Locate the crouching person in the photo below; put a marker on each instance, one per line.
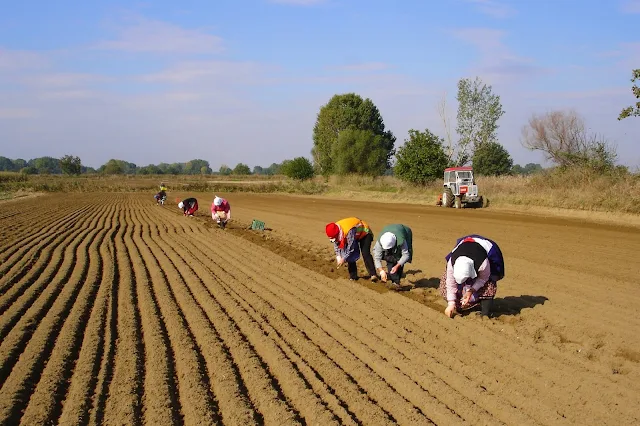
(189, 206)
(473, 268)
(220, 211)
(395, 246)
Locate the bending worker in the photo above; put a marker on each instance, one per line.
(474, 267)
(189, 206)
(351, 236)
(220, 211)
(395, 246)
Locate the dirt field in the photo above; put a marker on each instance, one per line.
(117, 311)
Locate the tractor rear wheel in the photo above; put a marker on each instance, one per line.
(447, 198)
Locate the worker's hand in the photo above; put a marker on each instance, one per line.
(383, 276)
(395, 268)
(340, 261)
(467, 297)
(450, 311)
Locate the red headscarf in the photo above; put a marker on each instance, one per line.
(332, 230)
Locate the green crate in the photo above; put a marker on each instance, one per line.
(257, 225)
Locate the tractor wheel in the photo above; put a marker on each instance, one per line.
(447, 198)
(457, 203)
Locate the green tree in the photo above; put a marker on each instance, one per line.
(361, 152)
(346, 112)
(273, 169)
(6, 164)
(194, 167)
(478, 113)
(492, 159)
(225, 170)
(19, 164)
(258, 170)
(113, 167)
(71, 165)
(299, 168)
(241, 169)
(422, 158)
(46, 165)
(29, 170)
(633, 111)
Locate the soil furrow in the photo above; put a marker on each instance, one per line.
(23, 318)
(26, 372)
(341, 381)
(45, 405)
(290, 380)
(124, 401)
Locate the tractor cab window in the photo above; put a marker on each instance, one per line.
(465, 175)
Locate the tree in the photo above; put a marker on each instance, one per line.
(633, 111)
(194, 167)
(446, 121)
(258, 170)
(241, 169)
(564, 140)
(346, 112)
(224, 170)
(46, 165)
(299, 168)
(492, 159)
(71, 165)
(19, 164)
(478, 113)
(6, 165)
(361, 152)
(528, 169)
(113, 167)
(422, 158)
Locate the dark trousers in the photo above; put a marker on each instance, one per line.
(395, 278)
(365, 250)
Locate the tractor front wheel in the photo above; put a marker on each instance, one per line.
(447, 198)
(458, 203)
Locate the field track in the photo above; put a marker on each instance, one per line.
(117, 311)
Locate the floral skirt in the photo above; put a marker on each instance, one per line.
(488, 291)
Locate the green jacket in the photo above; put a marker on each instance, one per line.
(403, 233)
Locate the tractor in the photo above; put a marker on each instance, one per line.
(460, 189)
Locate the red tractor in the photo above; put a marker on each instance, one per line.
(460, 189)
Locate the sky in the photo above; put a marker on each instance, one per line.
(243, 81)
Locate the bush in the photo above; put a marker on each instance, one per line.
(421, 159)
(241, 169)
(492, 159)
(299, 168)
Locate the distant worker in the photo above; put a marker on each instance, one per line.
(350, 237)
(474, 267)
(220, 211)
(395, 246)
(189, 206)
(161, 196)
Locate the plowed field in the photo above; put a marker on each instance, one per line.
(117, 311)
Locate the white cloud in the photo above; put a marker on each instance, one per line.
(17, 113)
(149, 36)
(208, 72)
(493, 8)
(58, 80)
(13, 60)
(361, 67)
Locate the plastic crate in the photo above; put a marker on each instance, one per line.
(257, 225)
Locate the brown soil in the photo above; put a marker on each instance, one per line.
(116, 311)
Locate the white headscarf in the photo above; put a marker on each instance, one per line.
(387, 240)
(180, 205)
(463, 269)
(217, 201)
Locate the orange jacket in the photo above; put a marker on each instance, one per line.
(362, 229)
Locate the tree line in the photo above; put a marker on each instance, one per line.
(350, 137)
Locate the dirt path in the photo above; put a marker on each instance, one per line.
(114, 310)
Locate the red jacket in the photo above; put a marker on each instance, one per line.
(225, 207)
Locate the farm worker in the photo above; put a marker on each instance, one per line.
(395, 246)
(350, 236)
(162, 194)
(188, 206)
(220, 211)
(473, 268)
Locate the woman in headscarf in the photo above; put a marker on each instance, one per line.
(395, 246)
(473, 268)
(220, 211)
(350, 237)
(189, 206)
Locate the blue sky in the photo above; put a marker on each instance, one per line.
(243, 81)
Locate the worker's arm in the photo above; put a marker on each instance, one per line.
(377, 255)
(405, 254)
